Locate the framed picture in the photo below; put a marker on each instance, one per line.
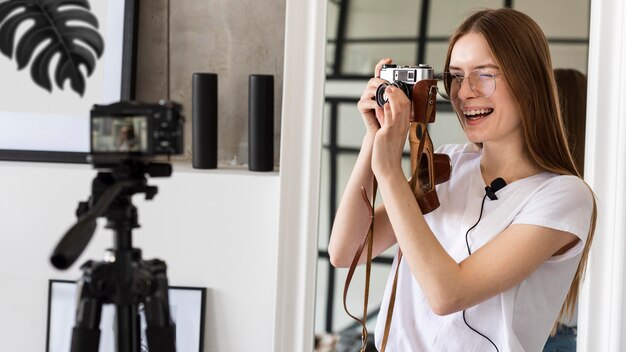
(187, 306)
(57, 59)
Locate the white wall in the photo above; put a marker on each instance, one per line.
(216, 229)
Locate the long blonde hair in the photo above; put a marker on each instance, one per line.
(521, 50)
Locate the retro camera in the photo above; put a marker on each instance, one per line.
(135, 130)
(403, 77)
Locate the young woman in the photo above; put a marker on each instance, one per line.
(502, 284)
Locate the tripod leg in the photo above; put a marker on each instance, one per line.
(86, 332)
(127, 328)
(160, 331)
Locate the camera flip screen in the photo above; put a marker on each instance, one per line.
(112, 134)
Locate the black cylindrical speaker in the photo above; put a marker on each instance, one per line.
(261, 123)
(204, 120)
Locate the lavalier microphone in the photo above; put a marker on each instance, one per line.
(490, 191)
(495, 186)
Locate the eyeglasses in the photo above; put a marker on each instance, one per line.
(481, 82)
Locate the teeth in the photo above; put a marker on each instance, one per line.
(477, 112)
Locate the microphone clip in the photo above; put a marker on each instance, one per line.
(494, 187)
(490, 193)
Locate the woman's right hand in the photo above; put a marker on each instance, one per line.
(370, 111)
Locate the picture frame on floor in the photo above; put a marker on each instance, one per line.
(187, 308)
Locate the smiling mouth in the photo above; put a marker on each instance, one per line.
(477, 114)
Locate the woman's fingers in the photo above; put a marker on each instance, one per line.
(369, 94)
(375, 82)
(368, 98)
(373, 114)
(398, 106)
(366, 103)
(379, 66)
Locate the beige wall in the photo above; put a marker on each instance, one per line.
(231, 38)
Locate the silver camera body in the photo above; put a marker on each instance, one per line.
(406, 74)
(403, 77)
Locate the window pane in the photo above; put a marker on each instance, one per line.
(558, 18)
(324, 212)
(446, 15)
(436, 55)
(332, 20)
(378, 280)
(375, 18)
(361, 58)
(569, 56)
(321, 294)
(351, 88)
(326, 125)
(330, 58)
(350, 126)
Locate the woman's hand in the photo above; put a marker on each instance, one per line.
(370, 111)
(390, 139)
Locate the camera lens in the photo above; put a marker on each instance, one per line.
(381, 98)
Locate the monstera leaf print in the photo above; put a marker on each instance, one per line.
(63, 28)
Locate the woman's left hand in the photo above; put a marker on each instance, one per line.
(391, 137)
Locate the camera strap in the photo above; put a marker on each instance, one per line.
(368, 240)
(428, 169)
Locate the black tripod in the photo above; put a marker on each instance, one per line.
(123, 278)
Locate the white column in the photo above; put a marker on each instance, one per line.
(602, 320)
(303, 101)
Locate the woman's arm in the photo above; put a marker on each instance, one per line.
(352, 218)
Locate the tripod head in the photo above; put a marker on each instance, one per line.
(112, 190)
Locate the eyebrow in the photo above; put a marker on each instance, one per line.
(477, 67)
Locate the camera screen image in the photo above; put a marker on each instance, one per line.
(114, 134)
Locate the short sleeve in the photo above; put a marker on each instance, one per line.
(563, 203)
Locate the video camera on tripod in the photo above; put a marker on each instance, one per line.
(126, 138)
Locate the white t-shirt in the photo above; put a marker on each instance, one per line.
(518, 319)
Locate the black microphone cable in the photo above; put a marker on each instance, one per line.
(482, 206)
(490, 191)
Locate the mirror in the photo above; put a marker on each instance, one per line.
(359, 33)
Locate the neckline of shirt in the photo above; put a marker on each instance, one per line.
(477, 173)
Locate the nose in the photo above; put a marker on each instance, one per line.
(466, 91)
